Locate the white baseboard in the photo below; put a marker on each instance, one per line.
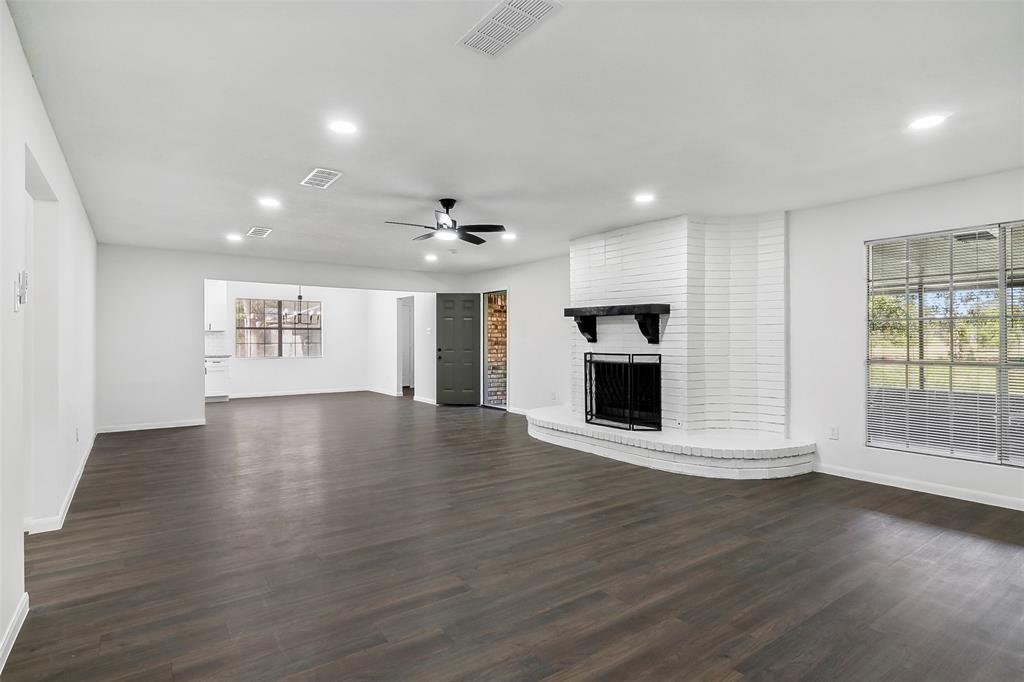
(152, 425)
(923, 486)
(392, 394)
(12, 629)
(51, 523)
(421, 399)
(516, 410)
(279, 394)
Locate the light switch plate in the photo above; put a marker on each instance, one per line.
(833, 433)
(20, 290)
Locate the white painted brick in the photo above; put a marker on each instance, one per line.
(723, 345)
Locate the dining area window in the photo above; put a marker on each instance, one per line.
(278, 328)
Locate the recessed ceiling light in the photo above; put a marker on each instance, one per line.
(509, 236)
(643, 198)
(269, 202)
(447, 235)
(430, 257)
(234, 237)
(344, 127)
(928, 121)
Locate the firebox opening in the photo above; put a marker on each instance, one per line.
(623, 390)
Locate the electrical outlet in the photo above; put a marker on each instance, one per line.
(833, 433)
(77, 439)
(554, 396)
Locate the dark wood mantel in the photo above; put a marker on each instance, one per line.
(647, 318)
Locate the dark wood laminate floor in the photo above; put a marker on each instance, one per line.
(360, 537)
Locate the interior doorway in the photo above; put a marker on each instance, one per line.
(496, 349)
(406, 345)
(458, 349)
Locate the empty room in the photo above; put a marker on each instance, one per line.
(511, 340)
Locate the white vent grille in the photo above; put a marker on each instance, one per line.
(321, 178)
(506, 23)
(260, 232)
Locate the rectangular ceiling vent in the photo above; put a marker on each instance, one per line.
(260, 232)
(507, 23)
(321, 178)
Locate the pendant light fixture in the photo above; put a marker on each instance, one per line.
(300, 316)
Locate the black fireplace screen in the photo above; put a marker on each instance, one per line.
(623, 390)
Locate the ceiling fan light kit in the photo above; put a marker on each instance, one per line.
(447, 228)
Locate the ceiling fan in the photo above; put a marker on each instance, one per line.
(448, 229)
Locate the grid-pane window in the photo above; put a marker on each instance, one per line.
(266, 328)
(945, 367)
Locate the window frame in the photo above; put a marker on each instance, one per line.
(280, 328)
(1009, 277)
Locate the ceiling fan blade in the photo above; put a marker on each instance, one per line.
(471, 238)
(482, 228)
(392, 222)
(428, 235)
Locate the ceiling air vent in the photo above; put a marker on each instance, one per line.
(321, 178)
(260, 232)
(507, 23)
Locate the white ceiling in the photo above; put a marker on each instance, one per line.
(175, 116)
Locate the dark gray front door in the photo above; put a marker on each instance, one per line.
(458, 349)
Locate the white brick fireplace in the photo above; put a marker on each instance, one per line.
(723, 345)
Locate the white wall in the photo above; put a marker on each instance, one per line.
(828, 329)
(342, 367)
(406, 350)
(150, 304)
(538, 336)
(36, 487)
(425, 363)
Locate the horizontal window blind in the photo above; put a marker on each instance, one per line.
(1012, 446)
(945, 365)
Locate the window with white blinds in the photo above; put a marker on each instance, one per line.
(945, 367)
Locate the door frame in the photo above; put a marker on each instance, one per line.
(406, 313)
(483, 348)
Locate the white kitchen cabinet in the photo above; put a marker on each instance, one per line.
(215, 310)
(216, 378)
